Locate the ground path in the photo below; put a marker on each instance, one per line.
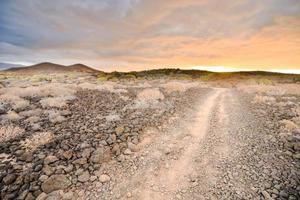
(216, 151)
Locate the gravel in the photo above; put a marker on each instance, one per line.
(91, 155)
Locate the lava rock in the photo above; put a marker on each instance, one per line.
(10, 178)
(68, 154)
(84, 177)
(55, 182)
(50, 159)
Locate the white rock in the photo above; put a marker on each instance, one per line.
(104, 178)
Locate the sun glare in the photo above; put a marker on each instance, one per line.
(231, 69)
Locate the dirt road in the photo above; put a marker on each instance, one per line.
(216, 151)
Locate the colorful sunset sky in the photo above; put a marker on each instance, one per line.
(143, 34)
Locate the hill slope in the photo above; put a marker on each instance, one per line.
(47, 67)
(81, 68)
(4, 66)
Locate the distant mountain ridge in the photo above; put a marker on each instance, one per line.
(48, 67)
(81, 68)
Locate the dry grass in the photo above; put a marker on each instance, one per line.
(288, 125)
(259, 99)
(53, 102)
(57, 90)
(9, 132)
(46, 90)
(176, 86)
(12, 116)
(91, 86)
(55, 116)
(29, 113)
(273, 90)
(150, 95)
(108, 86)
(22, 92)
(37, 140)
(17, 103)
(32, 119)
(53, 95)
(148, 98)
(9, 98)
(20, 105)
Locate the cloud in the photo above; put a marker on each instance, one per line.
(119, 34)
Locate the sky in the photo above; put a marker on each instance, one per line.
(143, 34)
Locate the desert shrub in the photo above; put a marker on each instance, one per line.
(12, 116)
(9, 98)
(208, 77)
(129, 76)
(9, 132)
(148, 98)
(37, 140)
(142, 85)
(288, 125)
(57, 90)
(20, 105)
(176, 86)
(54, 116)
(102, 77)
(40, 78)
(273, 90)
(32, 119)
(113, 79)
(265, 81)
(53, 102)
(150, 94)
(182, 77)
(115, 74)
(31, 91)
(296, 80)
(16, 102)
(91, 86)
(50, 89)
(29, 113)
(109, 86)
(259, 99)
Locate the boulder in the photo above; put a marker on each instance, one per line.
(50, 159)
(55, 182)
(10, 178)
(84, 177)
(104, 178)
(100, 155)
(67, 154)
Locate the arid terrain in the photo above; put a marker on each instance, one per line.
(161, 134)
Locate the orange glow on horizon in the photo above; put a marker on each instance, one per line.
(230, 69)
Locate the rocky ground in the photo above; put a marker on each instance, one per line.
(156, 139)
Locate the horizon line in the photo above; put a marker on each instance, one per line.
(217, 69)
